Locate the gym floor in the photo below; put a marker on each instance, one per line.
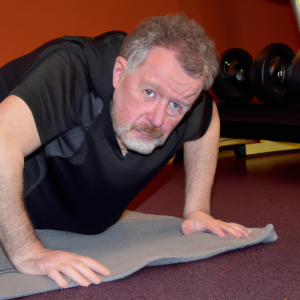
(252, 191)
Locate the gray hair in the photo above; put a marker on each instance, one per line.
(194, 50)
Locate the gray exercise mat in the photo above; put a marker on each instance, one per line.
(137, 241)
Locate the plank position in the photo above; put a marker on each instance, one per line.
(84, 126)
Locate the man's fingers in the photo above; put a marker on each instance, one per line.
(236, 229)
(242, 229)
(86, 272)
(72, 273)
(95, 266)
(58, 278)
(219, 228)
(216, 229)
(83, 270)
(231, 230)
(187, 227)
(190, 226)
(201, 221)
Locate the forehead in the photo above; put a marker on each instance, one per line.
(162, 70)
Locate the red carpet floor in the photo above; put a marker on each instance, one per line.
(252, 191)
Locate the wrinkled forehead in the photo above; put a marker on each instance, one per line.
(163, 67)
(164, 58)
(185, 62)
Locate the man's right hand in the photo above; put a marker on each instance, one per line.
(41, 261)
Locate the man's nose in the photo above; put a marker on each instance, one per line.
(157, 114)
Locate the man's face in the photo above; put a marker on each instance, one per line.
(150, 102)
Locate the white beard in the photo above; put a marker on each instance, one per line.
(138, 145)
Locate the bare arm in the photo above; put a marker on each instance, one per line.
(16, 231)
(18, 138)
(200, 160)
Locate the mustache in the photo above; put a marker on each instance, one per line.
(149, 130)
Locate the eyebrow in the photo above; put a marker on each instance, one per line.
(158, 87)
(191, 95)
(187, 107)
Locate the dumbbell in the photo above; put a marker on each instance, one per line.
(233, 84)
(274, 75)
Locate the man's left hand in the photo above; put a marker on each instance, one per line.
(201, 221)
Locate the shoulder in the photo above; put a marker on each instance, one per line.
(197, 120)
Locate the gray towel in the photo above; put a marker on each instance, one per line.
(137, 241)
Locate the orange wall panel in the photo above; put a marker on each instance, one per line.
(251, 25)
(26, 24)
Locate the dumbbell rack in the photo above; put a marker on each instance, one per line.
(259, 128)
(244, 147)
(254, 128)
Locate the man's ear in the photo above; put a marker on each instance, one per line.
(119, 70)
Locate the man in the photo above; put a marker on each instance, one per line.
(88, 156)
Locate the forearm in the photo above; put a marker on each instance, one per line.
(200, 160)
(199, 182)
(16, 231)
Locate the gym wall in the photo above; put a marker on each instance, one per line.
(27, 24)
(250, 25)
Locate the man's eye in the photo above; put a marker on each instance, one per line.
(149, 93)
(175, 105)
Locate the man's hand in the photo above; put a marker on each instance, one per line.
(201, 221)
(55, 263)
